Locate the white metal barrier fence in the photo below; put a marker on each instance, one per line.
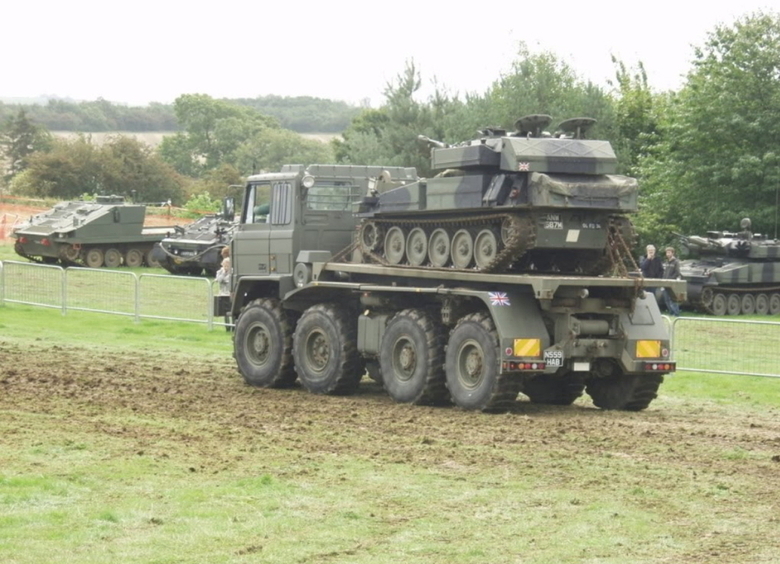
(699, 344)
(153, 296)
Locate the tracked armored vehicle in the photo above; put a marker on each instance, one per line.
(733, 273)
(195, 249)
(107, 232)
(525, 201)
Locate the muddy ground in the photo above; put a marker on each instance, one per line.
(706, 451)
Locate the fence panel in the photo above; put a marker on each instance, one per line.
(101, 290)
(178, 298)
(726, 346)
(33, 284)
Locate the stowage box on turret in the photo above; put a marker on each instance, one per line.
(518, 202)
(733, 273)
(106, 232)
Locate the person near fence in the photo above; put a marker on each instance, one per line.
(224, 273)
(652, 266)
(671, 272)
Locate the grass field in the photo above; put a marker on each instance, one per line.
(139, 443)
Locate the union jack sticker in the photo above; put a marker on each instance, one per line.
(498, 298)
(523, 166)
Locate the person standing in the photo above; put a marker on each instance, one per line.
(652, 266)
(671, 272)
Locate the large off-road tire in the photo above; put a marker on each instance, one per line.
(326, 357)
(555, 389)
(412, 359)
(624, 392)
(263, 344)
(472, 366)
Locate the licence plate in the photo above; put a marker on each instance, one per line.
(553, 358)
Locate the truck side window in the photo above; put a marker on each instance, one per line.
(258, 204)
(332, 196)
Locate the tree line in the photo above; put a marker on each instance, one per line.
(706, 155)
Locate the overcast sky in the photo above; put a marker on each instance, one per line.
(152, 51)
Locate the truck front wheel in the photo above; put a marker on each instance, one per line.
(263, 344)
(326, 357)
(412, 359)
(472, 366)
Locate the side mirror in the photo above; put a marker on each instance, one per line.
(228, 209)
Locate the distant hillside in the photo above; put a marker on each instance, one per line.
(303, 114)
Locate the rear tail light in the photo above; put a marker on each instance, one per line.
(524, 366)
(660, 366)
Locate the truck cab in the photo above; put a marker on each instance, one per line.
(297, 216)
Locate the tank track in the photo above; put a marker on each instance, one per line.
(705, 300)
(518, 237)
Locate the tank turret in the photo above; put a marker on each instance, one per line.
(521, 201)
(732, 273)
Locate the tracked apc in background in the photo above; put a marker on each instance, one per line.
(526, 201)
(732, 273)
(195, 249)
(105, 232)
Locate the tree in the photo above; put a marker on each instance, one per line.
(717, 158)
(20, 138)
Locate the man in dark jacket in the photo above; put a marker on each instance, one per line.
(671, 272)
(651, 266)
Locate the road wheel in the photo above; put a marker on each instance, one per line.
(93, 258)
(774, 304)
(263, 344)
(555, 390)
(439, 248)
(326, 358)
(412, 359)
(151, 260)
(395, 245)
(747, 304)
(112, 258)
(733, 304)
(485, 248)
(719, 304)
(625, 392)
(417, 246)
(462, 252)
(472, 366)
(762, 304)
(134, 258)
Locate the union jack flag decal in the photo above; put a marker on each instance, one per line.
(523, 166)
(498, 298)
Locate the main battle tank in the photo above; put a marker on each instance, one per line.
(509, 202)
(106, 232)
(733, 273)
(195, 248)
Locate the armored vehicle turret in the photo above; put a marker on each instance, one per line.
(195, 249)
(105, 232)
(732, 273)
(508, 202)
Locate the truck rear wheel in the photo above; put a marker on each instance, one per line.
(326, 357)
(263, 344)
(555, 390)
(472, 366)
(412, 359)
(625, 392)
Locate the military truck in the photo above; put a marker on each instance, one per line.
(308, 308)
(105, 232)
(732, 273)
(195, 249)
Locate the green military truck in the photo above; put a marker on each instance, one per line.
(309, 305)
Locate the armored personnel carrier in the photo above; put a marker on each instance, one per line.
(509, 202)
(733, 273)
(107, 232)
(195, 248)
